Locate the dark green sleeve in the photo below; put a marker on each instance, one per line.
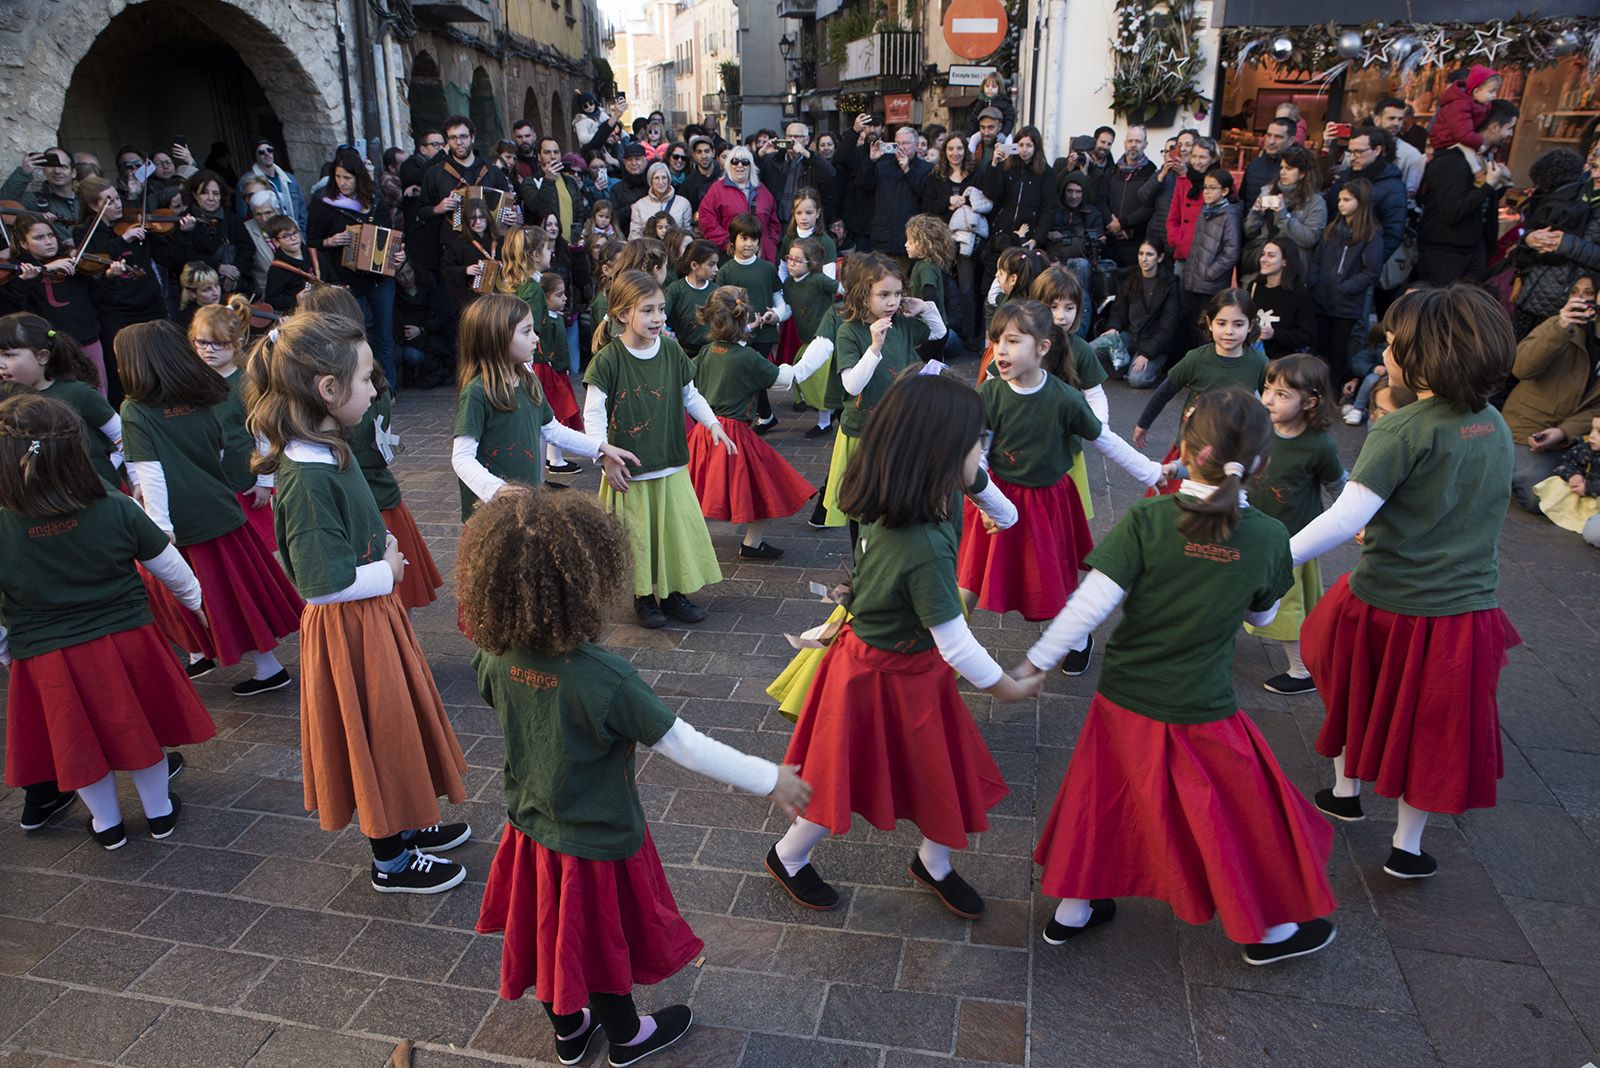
(636, 712)
(472, 411)
(1087, 364)
(850, 345)
(1329, 467)
(931, 586)
(1081, 420)
(1280, 573)
(138, 444)
(1119, 556)
(1385, 459)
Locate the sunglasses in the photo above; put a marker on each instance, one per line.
(738, 163)
(679, 159)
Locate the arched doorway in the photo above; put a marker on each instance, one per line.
(428, 106)
(558, 122)
(530, 111)
(484, 111)
(161, 68)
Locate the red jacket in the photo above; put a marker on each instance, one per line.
(1181, 218)
(1458, 119)
(723, 200)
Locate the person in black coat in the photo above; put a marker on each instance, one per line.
(855, 156)
(899, 177)
(349, 199)
(424, 329)
(1460, 200)
(216, 236)
(1262, 171)
(1283, 302)
(1127, 214)
(630, 187)
(541, 194)
(1148, 313)
(787, 171)
(1027, 198)
(703, 170)
(458, 166)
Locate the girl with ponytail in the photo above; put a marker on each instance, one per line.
(1172, 792)
(35, 355)
(217, 334)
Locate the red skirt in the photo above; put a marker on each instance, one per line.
(752, 485)
(1411, 699)
(788, 347)
(576, 927)
(1197, 815)
(248, 600)
(1172, 484)
(421, 579)
(886, 735)
(1032, 566)
(108, 704)
(558, 392)
(259, 520)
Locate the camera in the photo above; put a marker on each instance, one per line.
(783, 142)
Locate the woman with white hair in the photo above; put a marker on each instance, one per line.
(263, 205)
(738, 192)
(659, 198)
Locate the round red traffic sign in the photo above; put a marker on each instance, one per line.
(975, 28)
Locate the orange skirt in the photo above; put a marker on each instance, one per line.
(374, 737)
(420, 580)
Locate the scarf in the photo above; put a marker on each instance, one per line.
(1196, 180)
(1211, 211)
(345, 203)
(1126, 168)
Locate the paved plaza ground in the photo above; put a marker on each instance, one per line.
(252, 937)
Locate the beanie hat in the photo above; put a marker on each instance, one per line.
(1478, 75)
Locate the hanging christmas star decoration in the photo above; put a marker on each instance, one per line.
(1439, 48)
(1489, 45)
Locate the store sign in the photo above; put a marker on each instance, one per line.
(897, 108)
(962, 74)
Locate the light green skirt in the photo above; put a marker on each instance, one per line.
(1080, 478)
(844, 447)
(814, 390)
(672, 550)
(1295, 606)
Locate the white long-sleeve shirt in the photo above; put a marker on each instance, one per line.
(594, 412)
(372, 580)
(484, 484)
(855, 379)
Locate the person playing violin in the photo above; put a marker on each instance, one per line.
(45, 280)
(210, 232)
(441, 191)
(122, 296)
(43, 185)
(349, 199)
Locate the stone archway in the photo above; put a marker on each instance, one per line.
(429, 108)
(484, 111)
(530, 111)
(286, 48)
(558, 123)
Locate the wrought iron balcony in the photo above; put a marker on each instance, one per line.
(797, 9)
(883, 56)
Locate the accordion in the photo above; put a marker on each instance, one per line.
(373, 249)
(495, 200)
(484, 283)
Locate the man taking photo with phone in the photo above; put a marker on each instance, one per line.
(44, 182)
(792, 168)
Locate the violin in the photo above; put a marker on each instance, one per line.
(92, 263)
(264, 316)
(154, 220)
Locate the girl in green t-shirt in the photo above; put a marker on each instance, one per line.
(1173, 792)
(576, 884)
(218, 333)
(37, 356)
(807, 224)
(93, 688)
(1059, 290)
(809, 294)
(933, 253)
(1014, 274)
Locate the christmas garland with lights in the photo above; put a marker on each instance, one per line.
(1406, 47)
(1157, 57)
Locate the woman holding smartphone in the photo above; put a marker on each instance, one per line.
(1290, 207)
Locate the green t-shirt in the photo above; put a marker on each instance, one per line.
(531, 293)
(370, 457)
(1201, 369)
(1171, 656)
(571, 726)
(809, 299)
(1086, 363)
(599, 308)
(70, 579)
(553, 348)
(924, 275)
(327, 525)
(730, 376)
(509, 445)
(1289, 488)
(833, 395)
(759, 279)
(187, 442)
(95, 412)
(238, 445)
(684, 302)
(830, 248)
(905, 584)
(1445, 476)
(644, 402)
(1035, 434)
(899, 352)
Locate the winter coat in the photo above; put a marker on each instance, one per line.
(1259, 174)
(1027, 198)
(1457, 120)
(1553, 384)
(1344, 272)
(1001, 103)
(1388, 201)
(1214, 250)
(1182, 215)
(1296, 328)
(1123, 200)
(898, 197)
(1151, 327)
(1156, 194)
(1458, 214)
(1301, 225)
(1546, 277)
(724, 200)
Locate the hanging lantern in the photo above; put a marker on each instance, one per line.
(1350, 46)
(1282, 48)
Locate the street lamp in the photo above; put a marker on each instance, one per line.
(785, 46)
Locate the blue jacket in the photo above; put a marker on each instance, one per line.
(1342, 273)
(1388, 202)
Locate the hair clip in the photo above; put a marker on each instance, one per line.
(272, 337)
(49, 333)
(33, 449)
(1234, 468)
(1204, 455)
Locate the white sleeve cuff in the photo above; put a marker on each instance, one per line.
(567, 439)
(687, 747)
(1098, 404)
(1090, 605)
(372, 580)
(855, 378)
(174, 572)
(698, 408)
(1262, 619)
(1342, 521)
(5, 649)
(930, 315)
(811, 360)
(1125, 456)
(476, 477)
(113, 433)
(594, 412)
(153, 482)
(996, 505)
(963, 653)
(785, 376)
(780, 306)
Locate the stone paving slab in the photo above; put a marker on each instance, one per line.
(252, 938)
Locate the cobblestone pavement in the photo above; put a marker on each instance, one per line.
(252, 937)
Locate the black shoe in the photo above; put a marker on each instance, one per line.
(819, 431)
(764, 551)
(255, 687)
(818, 520)
(1312, 936)
(196, 669)
(682, 609)
(1403, 865)
(163, 826)
(671, 1023)
(1102, 910)
(647, 613)
(439, 837)
(576, 1048)
(423, 874)
(1347, 809)
(953, 890)
(799, 405)
(766, 426)
(566, 467)
(111, 838)
(805, 885)
(1290, 685)
(35, 816)
(1077, 661)
(175, 764)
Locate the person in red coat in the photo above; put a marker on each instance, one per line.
(738, 192)
(1186, 200)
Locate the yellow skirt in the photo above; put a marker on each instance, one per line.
(1080, 478)
(1295, 606)
(789, 689)
(1561, 506)
(844, 447)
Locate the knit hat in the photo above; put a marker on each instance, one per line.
(1077, 178)
(1478, 75)
(632, 148)
(586, 101)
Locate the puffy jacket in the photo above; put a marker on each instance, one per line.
(1343, 272)
(1303, 225)
(898, 197)
(724, 200)
(1182, 214)
(1388, 201)
(1214, 251)
(1028, 198)
(1124, 202)
(1546, 277)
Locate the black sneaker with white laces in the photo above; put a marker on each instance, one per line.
(565, 467)
(764, 551)
(805, 886)
(1347, 809)
(954, 891)
(37, 813)
(1077, 661)
(682, 609)
(671, 1023)
(175, 764)
(163, 826)
(253, 687)
(1102, 910)
(1290, 685)
(1403, 865)
(1312, 936)
(575, 1047)
(110, 838)
(196, 669)
(423, 874)
(439, 837)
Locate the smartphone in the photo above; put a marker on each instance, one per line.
(1343, 130)
(181, 139)
(1010, 150)
(783, 142)
(1272, 201)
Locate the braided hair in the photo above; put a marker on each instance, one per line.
(44, 459)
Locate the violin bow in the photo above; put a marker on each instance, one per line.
(84, 246)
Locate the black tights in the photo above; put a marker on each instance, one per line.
(387, 848)
(616, 1013)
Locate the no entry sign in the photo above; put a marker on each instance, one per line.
(975, 28)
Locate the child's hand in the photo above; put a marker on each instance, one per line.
(1141, 436)
(880, 330)
(200, 618)
(1575, 483)
(720, 437)
(912, 306)
(260, 497)
(614, 466)
(1025, 670)
(1350, 388)
(1010, 690)
(989, 525)
(392, 557)
(792, 793)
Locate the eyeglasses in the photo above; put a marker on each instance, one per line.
(264, 150)
(212, 346)
(461, 137)
(433, 144)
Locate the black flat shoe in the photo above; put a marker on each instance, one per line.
(255, 687)
(163, 826)
(197, 669)
(959, 897)
(575, 1048)
(1403, 865)
(35, 816)
(766, 426)
(647, 613)
(1312, 936)
(110, 838)
(1290, 685)
(819, 431)
(1347, 809)
(764, 551)
(671, 1023)
(1102, 910)
(805, 885)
